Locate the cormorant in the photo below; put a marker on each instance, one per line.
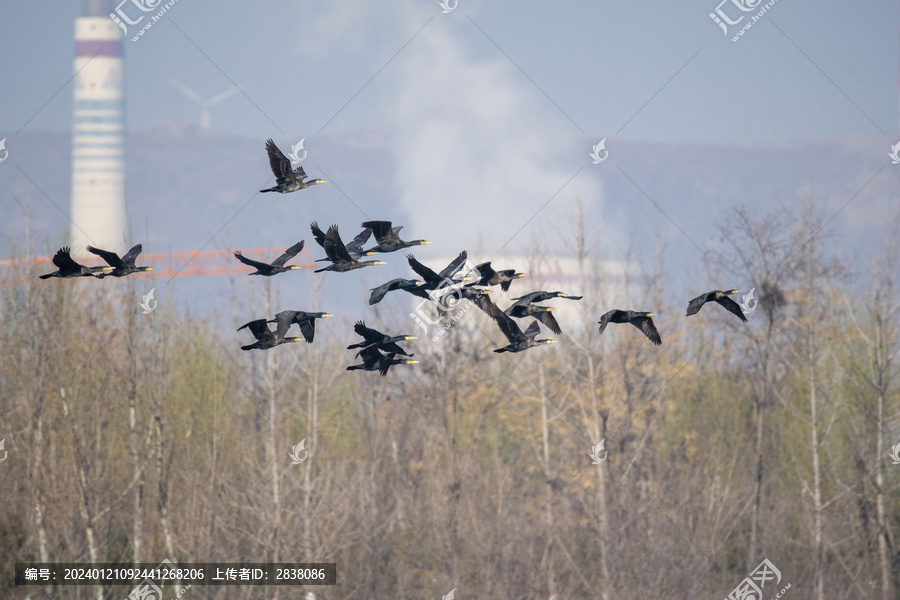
(518, 341)
(69, 268)
(121, 266)
(373, 360)
(354, 246)
(476, 296)
(413, 286)
(339, 256)
(491, 277)
(373, 337)
(641, 320)
(277, 265)
(434, 280)
(720, 297)
(541, 313)
(266, 338)
(542, 296)
(388, 237)
(306, 321)
(286, 179)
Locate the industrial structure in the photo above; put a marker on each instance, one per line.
(98, 133)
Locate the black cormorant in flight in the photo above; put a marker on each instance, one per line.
(518, 341)
(491, 277)
(542, 296)
(388, 237)
(374, 360)
(413, 286)
(541, 313)
(720, 297)
(276, 266)
(340, 258)
(641, 320)
(286, 179)
(373, 337)
(122, 266)
(68, 268)
(354, 246)
(265, 337)
(306, 321)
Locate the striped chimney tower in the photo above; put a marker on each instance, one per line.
(98, 133)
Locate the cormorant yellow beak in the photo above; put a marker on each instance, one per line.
(521, 275)
(487, 291)
(550, 308)
(409, 337)
(425, 242)
(551, 341)
(420, 283)
(149, 268)
(380, 262)
(326, 315)
(649, 314)
(735, 291)
(369, 253)
(294, 267)
(412, 362)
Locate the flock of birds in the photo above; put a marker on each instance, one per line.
(379, 351)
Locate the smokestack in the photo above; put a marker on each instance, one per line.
(95, 8)
(98, 133)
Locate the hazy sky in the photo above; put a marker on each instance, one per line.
(488, 111)
(805, 70)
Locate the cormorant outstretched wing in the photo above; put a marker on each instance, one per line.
(356, 244)
(371, 335)
(111, 258)
(485, 271)
(533, 330)
(250, 262)
(334, 247)
(606, 318)
(279, 163)
(288, 254)
(455, 265)
(732, 307)
(385, 363)
(283, 321)
(370, 356)
(383, 231)
(645, 324)
(379, 292)
(132, 255)
(259, 328)
(308, 329)
(507, 325)
(429, 276)
(547, 318)
(63, 260)
(696, 304)
(318, 234)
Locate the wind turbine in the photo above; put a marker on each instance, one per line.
(205, 104)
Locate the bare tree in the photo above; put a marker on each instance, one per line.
(880, 337)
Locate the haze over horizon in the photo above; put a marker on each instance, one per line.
(471, 126)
